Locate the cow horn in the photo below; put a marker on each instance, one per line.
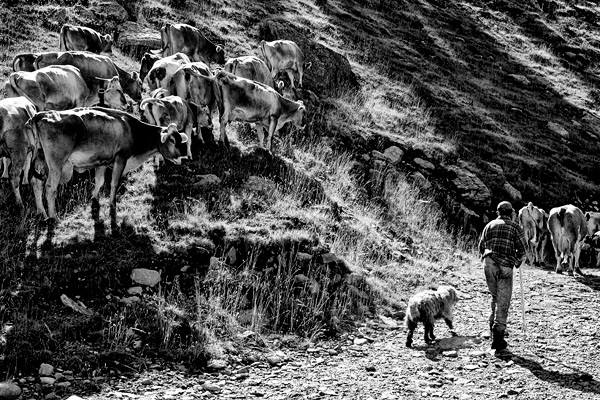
(219, 48)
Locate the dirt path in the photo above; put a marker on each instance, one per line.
(559, 358)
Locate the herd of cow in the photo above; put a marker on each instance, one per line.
(569, 229)
(50, 127)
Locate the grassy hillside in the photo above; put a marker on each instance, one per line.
(313, 236)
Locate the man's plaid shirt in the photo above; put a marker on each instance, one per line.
(504, 241)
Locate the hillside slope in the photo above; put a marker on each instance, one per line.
(458, 105)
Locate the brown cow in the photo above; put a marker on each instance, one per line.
(84, 39)
(168, 110)
(94, 66)
(61, 87)
(194, 83)
(250, 101)
(284, 55)
(568, 229)
(86, 138)
(533, 221)
(24, 62)
(14, 113)
(253, 68)
(189, 40)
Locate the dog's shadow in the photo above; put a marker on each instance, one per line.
(435, 350)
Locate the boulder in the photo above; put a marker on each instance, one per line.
(146, 277)
(424, 165)
(420, 181)
(46, 370)
(207, 180)
(9, 390)
(109, 10)
(470, 188)
(512, 192)
(135, 40)
(558, 129)
(330, 71)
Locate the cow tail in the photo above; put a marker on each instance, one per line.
(535, 231)
(62, 41)
(264, 54)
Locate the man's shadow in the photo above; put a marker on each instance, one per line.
(573, 380)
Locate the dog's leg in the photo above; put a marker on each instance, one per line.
(429, 332)
(450, 326)
(411, 325)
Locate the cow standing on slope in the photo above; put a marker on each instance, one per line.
(84, 39)
(61, 87)
(567, 226)
(86, 138)
(284, 55)
(533, 221)
(250, 101)
(182, 38)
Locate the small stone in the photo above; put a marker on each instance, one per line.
(360, 341)
(46, 370)
(471, 367)
(147, 382)
(135, 290)
(394, 154)
(214, 262)
(9, 390)
(211, 387)
(328, 257)
(303, 256)
(370, 368)
(51, 396)
(146, 277)
(74, 398)
(63, 385)
(424, 164)
(217, 365)
(47, 380)
(231, 257)
(59, 376)
(450, 353)
(130, 300)
(207, 180)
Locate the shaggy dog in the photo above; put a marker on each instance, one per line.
(426, 307)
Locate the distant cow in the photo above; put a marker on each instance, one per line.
(24, 62)
(84, 39)
(593, 222)
(14, 113)
(147, 62)
(284, 55)
(86, 138)
(253, 68)
(170, 110)
(94, 66)
(567, 226)
(189, 40)
(250, 101)
(194, 83)
(161, 72)
(533, 221)
(61, 87)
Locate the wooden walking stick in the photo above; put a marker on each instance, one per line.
(522, 297)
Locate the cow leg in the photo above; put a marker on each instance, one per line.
(98, 183)
(189, 129)
(290, 75)
(38, 191)
(5, 167)
(51, 190)
(222, 125)
(272, 127)
(15, 181)
(260, 130)
(557, 255)
(118, 168)
(576, 257)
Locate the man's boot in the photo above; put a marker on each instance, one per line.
(498, 342)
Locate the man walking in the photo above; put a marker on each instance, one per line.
(502, 247)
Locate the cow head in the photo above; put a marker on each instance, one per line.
(133, 87)
(172, 144)
(147, 62)
(219, 55)
(107, 43)
(593, 222)
(298, 117)
(113, 94)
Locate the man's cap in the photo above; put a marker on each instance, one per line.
(504, 207)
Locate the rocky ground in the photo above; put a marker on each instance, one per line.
(556, 358)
